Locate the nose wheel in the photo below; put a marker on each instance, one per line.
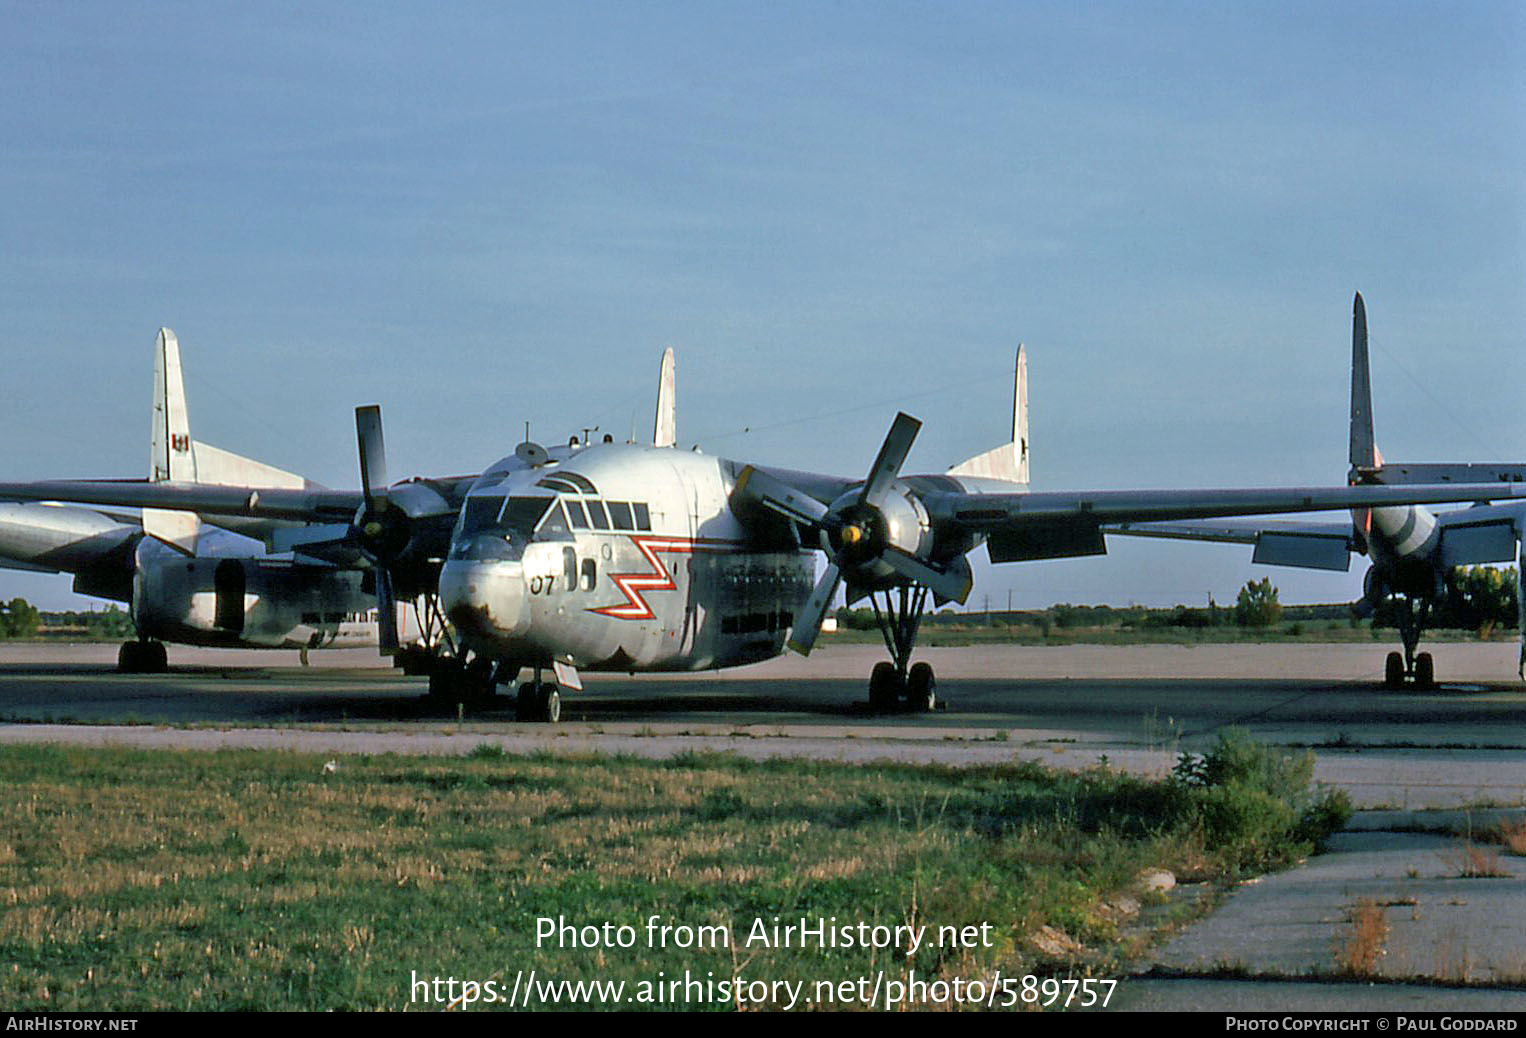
(538, 701)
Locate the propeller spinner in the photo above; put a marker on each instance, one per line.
(873, 535)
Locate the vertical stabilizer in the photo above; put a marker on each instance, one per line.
(1009, 462)
(171, 456)
(665, 428)
(1364, 450)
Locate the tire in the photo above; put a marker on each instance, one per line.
(1393, 671)
(1425, 671)
(884, 688)
(922, 688)
(550, 703)
(526, 708)
(129, 658)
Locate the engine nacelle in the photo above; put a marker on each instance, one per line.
(247, 602)
(862, 533)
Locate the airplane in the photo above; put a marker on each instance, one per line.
(624, 557)
(1413, 550)
(186, 581)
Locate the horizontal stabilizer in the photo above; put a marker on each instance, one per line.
(1398, 473)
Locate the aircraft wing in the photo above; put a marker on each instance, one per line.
(1050, 525)
(1469, 536)
(264, 503)
(1278, 542)
(1485, 533)
(95, 547)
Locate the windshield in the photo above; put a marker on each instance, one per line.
(496, 527)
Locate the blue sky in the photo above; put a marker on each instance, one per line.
(479, 215)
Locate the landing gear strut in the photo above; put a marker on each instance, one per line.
(1420, 667)
(891, 682)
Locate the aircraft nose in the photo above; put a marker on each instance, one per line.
(484, 599)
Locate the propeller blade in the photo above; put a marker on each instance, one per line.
(386, 611)
(809, 620)
(373, 453)
(946, 584)
(903, 432)
(779, 496)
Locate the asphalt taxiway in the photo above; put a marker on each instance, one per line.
(1426, 767)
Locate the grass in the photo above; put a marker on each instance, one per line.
(261, 880)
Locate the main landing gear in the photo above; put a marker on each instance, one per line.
(1420, 668)
(142, 657)
(893, 683)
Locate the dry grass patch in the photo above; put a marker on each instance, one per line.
(1360, 946)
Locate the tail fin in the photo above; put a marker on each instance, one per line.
(170, 455)
(1365, 459)
(665, 428)
(1009, 462)
(174, 456)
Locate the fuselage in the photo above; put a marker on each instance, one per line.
(615, 557)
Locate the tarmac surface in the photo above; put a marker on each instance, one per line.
(1430, 771)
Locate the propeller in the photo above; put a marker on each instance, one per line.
(854, 531)
(382, 527)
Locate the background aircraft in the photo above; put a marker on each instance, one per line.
(623, 557)
(184, 580)
(1413, 549)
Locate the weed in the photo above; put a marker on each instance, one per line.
(1476, 861)
(1360, 947)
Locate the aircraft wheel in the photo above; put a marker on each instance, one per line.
(1425, 671)
(156, 659)
(884, 688)
(445, 684)
(922, 688)
(1393, 671)
(549, 700)
(525, 706)
(129, 658)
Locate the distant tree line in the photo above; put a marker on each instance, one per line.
(20, 619)
(1479, 598)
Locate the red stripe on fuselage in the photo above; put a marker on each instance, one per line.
(634, 585)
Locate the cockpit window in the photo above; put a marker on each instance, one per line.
(480, 513)
(554, 526)
(522, 514)
(620, 515)
(575, 514)
(596, 515)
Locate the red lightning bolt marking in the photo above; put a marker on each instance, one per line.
(632, 585)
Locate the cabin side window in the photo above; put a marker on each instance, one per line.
(590, 574)
(570, 568)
